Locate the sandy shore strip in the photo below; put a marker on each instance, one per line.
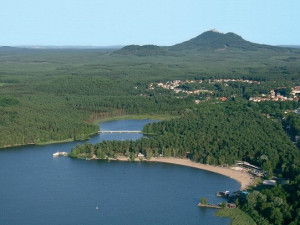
(244, 178)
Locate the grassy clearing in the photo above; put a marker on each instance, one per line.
(238, 216)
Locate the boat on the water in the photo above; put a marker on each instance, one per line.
(223, 194)
(57, 154)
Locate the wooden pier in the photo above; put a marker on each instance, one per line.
(210, 206)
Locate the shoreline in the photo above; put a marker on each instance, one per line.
(51, 142)
(244, 178)
(96, 122)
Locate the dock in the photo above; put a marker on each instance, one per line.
(210, 206)
(219, 206)
(119, 131)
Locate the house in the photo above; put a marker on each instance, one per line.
(295, 90)
(269, 182)
(272, 93)
(140, 155)
(223, 99)
(231, 205)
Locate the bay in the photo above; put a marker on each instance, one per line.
(39, 189)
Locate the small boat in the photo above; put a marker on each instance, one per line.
(223, 194)
(97, 208)
(56, 154)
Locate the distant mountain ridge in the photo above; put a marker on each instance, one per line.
(289, 46)
(54, 47)
(69, 47)
(144, 50)
(208, 41)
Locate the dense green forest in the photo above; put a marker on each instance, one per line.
(213, 134)
(276, 205)
(51, 95)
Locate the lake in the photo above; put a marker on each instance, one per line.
(39, 189)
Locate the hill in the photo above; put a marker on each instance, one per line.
(145, 50)
(209, 41)
(214, 40)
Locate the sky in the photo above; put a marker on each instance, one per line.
(159, 22)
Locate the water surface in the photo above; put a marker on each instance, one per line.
(39, 189)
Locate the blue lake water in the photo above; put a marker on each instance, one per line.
(38, 189)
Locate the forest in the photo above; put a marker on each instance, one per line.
(213, 134)
(53, 95)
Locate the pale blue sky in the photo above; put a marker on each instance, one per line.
(160, 22)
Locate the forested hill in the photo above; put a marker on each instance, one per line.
(213, 40)
(145, 50)
(209, 41)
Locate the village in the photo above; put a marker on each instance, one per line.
(174, 85)
(273, 96)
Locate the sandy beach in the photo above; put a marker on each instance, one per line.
(241, 176)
